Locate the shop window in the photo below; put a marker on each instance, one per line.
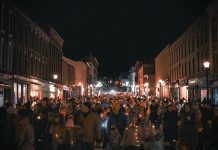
(19, 93)
(1, 52)
(1, 14)
(214, 29)
(5, 18)
(15, 93)
(24, 92)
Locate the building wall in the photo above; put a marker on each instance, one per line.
(80, 71)
(28, 54)
(25, 48)
(213, 46)
(68, 74)
(162, 72)
(146, 75)
(187, 76)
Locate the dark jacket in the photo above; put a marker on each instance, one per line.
(188, 134)
(120, 120)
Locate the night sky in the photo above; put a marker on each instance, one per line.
(117, 32)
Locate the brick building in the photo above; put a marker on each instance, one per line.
(162, 72)
(146, 79)
(81, 76)
(68, 78)
(196, 45)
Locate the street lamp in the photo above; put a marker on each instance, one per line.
(207, 66)
(55, 76)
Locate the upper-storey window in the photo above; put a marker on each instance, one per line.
(214, 29)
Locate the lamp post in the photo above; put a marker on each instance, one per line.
(55, 77)
(207, 66)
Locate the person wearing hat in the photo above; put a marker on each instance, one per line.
(90, 123)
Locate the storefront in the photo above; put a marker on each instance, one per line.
(198, 89)
(20, 92)
(214, 87)
(184, 89)
(5, 93)
(175, 91)
(38, 91)
(6, 88)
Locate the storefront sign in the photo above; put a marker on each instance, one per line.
(34, 93)
(52, 88)
(193, 81)
(65, 88)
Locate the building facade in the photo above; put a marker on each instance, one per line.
(29, 57)
(68, 78)
(92, 72)
(187, 75)
(80, 84)
(146, 80)
(162, 73)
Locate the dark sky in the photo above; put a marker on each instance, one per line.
(117, 32)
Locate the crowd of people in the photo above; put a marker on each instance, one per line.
(118, 122)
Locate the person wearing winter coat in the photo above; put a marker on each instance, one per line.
(59, 133)
(207, 125)
(114, 138)
(188, 135)
(90, 123)
(24, 134)
(39, 128)
(156, 138)
(134, 136)
(215, 127)
(198, 124)
(170, 124)
(5, 130)
(118, 118)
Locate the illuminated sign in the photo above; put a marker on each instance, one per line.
(52, 88)
(193, 81)
(34, 93)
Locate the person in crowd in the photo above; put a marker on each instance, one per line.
(90, 123)
(5, 130)
(24, 133)
(188, 135)
(70, 130)
(40, 122)
(59, 133)
(48, 133)
(207, 125)
(156, 137)
(198, 123)
(170, 125)
(134, 135)
(118, 118)
(114, 138)
(214, 138)
(154, 111)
